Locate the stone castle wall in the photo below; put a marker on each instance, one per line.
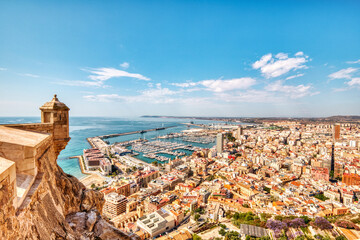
(36, 127)
(57, 205)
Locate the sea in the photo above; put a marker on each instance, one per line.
(84, 127)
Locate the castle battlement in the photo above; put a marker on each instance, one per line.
(37, 199)
(22, 145)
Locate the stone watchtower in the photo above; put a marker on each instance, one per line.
(57, 114)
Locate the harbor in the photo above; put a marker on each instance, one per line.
(144, 149)
(159, 149)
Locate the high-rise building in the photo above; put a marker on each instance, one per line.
(239, 132)
(219, 143)
(336, 131)
(115, 204)
(332, 167)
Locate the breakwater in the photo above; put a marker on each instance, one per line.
(133, 132)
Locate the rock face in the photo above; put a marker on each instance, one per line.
(55, 205)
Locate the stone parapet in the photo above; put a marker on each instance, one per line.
(53, 204)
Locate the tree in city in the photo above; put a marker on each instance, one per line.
(196, 237)
(306, 219)
(322, 223)
(341, 237)
(196, 217)
(228, 214)
(321, 197)
(245, 205)
(319, 237)
(347, 225)
(277, 226)
(232, 235)
(300, 237)
(297, 223)
(230, 137)
(222, 232)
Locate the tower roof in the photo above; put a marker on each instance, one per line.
(54, 104)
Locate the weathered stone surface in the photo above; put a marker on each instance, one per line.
(57, 206)
(61, 208)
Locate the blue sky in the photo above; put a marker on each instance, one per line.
(200, 58)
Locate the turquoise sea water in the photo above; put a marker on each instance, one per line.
(84, 127)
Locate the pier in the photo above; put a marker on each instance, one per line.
(133, 132)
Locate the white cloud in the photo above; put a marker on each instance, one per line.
(82, 83)
(226, 85)
(125, 65)
(104, 97)
(257, 96)
(340, 89)
(151, 95)
(219, 85)
(29, 75)
(263, 61)
(343, 73)
(103, 74)
(353, 62)
(147, 99)
(354, 82)
(157, 92)
(294, 76)
(3, 69)
(185, 84)
(274, 67)
(291, 91)
(281, 56)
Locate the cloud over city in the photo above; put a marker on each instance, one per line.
(343, 73)
(274, 66)
(103, 74)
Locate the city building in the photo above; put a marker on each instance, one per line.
(239, 132)
(336, 131)
(318, 173)
(219, 142)
(157, 222)
(351, 179)
(92, 158)
(115, 204)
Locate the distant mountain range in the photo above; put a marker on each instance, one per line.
(339, 118)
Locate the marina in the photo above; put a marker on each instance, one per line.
(161, 148)
(156, 150)
(192, 137)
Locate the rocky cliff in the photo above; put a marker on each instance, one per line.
(59, 208)
(37, 199)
